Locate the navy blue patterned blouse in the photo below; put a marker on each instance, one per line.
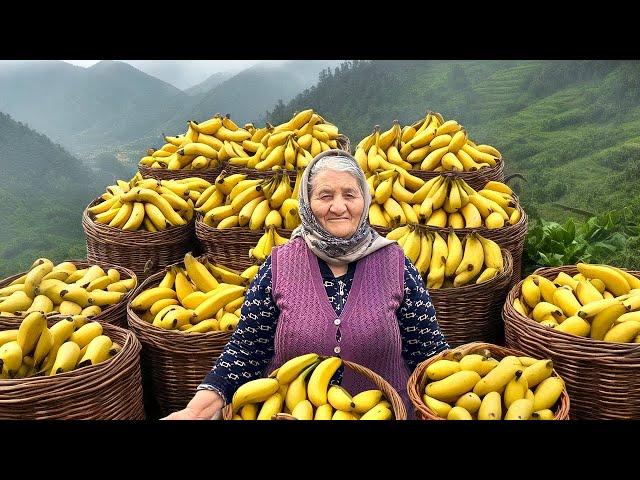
(251, 347)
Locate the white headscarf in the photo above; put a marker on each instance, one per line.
(335, 250)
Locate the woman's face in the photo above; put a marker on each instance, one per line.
(337, 203)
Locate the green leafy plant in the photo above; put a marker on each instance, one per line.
(612, 238)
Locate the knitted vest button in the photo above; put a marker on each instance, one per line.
(336, 321)
(336, 350)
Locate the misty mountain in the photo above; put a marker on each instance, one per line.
(210, 83)
(87, 109)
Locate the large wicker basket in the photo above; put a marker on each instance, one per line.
(418, 379)
(173, 363)
(208, 174)
(230, 245)
(602, 378)
(143, 252)
(397, 405)
(472, 312)
(111, 390)
(343, 144)
(115, 314)
(476, 179)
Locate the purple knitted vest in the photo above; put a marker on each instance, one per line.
(370, 335)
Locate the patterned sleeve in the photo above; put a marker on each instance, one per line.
(421, 335)
(251, 346)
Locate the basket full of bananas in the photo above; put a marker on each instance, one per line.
(467, 278)
(586, 318)
(483, 381)
(242, 219)
(428, 148)
(67, 367)
(300, 389)
(97, 290)
(184, 316)
(289, 146)
(144, 224)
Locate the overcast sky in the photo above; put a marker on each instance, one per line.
(179, 73)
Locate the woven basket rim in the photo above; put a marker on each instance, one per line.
(84, 262)
(399, 410)
(582, 344)
(417, 381)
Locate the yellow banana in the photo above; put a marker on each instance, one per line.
(319, 380)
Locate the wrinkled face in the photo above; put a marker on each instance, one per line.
(337, 203)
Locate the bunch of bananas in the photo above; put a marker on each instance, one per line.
(149, 204)
(263, 248)
(234, 201)
(451, 262)
(197, 298)
(442, 201)
(290, 145)
(600, 302)
(287, 390)
(479, 387)
(34, 349)
(431, 144)
(63, 289)
(204, 145)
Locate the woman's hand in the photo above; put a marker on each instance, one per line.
(203, 406)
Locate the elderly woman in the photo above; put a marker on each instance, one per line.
(336, 288)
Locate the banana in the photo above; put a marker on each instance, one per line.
(520, 410)
(254, 391)
(41, 303)
(437, 267)
(340, 399)
(442, 369)
(198, 273)
(30, 330)
(319, 380)
(324, 412)
(547, 393)
(472, 261)
(438, 407)
(145, 299)
(491, 407)
(270, 407)
(543, 309)
(454, 254)
(486, 275)
(228, 321)
(515, 389)
(250, 272)
(150, 196)
(35, 276)
(478, 363)
(499, 377)
(7, 336)
(297, 390)
(97, 351)
(10, 359)
(66, 358)
(43, 347)
(379, 412)
(91, 311)
(624, 332)
(531, 292)
(564, 298)
(615, 282)
(426, 247)
(218, 299)
(547, 288)
(459, 413)
(291, 369)
(470, 402)
(537, 372)
(83, 335)
(452, 387)
(366, 400)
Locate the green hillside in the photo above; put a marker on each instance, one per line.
(43, 191)
(572, 128)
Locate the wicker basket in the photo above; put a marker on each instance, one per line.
(343, 144)
(399, 410)
(476, 180)
(418, 379)
(143, 252)
(602, 378)
(110, 390)
(114, 314)
(173, 363)
(472, 312)
(208, 174)
(230, 245)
